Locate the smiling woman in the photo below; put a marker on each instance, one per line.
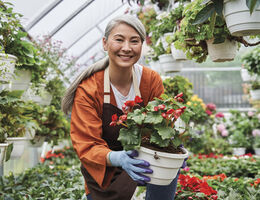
(110, 172)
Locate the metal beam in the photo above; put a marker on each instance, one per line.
(69, 18)
(42, 14)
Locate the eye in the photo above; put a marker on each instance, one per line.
(119, 39)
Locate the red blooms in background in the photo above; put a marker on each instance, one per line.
(210, 109)
(197, 185)
(219, 115)
(130, 103)
(49, 155)
(138, 99)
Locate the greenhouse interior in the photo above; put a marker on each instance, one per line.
(182, 120)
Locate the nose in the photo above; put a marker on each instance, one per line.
(126, 46)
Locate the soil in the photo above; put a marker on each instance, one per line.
(170, 149)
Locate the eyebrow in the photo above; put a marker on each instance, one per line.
(133, 37)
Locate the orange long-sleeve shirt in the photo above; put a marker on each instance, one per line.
(86, 121)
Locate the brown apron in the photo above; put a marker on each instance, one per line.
(122, 186)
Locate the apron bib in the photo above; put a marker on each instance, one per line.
(122, 186)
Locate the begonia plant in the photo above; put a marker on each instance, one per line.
(152, 126)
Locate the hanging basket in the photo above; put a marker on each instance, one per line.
(7, 65)
(255, 94)
(222, 52)
(165, 166)
(177, 54)
(239, 151)
(238, 18)
(18, 146)
(22, 80)
(168, 64)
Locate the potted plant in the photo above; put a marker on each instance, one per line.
(255, 90)
(15, 124)
(14, 40)
(196, 38)
(242, 17)
(151, 130)
(256, 141)
(251, 61)
(239, 143)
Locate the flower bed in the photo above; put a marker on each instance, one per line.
(206, 177)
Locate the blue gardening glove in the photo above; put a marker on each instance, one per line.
(184, 164)
(132, 166)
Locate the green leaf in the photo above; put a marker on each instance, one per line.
(130, 137)
(137, 116)
(204, 14)
(157, 139)
(153, 118)
(218, 4)
(165, 132)
(252, 5)
(8, 152)
(219, 40)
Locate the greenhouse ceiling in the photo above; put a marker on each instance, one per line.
(79, 24)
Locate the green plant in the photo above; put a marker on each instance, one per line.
(13, 118)
(152, 125)
(198, 108)
(14, 40)
(256, 143)
(255, 85)
(251, 61)
(191, 38)
(176, 85)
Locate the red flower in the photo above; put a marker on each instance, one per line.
(179, 99)
(161, 106)
(164, 115)
(208, 112)
(178, 95)
(156, 108)
(211, 106)
(130, 103)
(138, 99)
(123, 117)
(113, 123)
(219, 114)
(114, 117)
(170, 111)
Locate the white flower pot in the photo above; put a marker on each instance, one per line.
(222, 52)
(255, 94)
(239, 151)
(37, 141)
(238, 18)
(163, 40)
(168, 64)
(246, 77)
(18, 146)
(165, 166)
(22, 80)
(257, 151)
(177, 54)
(7, 65)
(3, 148)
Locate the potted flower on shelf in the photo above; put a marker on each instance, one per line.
(17, 52)
(256, 141)
(151, 130)
(255, 90)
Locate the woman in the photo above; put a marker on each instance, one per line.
(111, 173)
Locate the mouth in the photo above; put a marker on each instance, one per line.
(125, 57)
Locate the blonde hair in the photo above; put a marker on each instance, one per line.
(68, 99)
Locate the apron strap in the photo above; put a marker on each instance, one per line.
(107, 85)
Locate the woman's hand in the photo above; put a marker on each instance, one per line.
(132, 166)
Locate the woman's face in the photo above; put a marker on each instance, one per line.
(124, 46)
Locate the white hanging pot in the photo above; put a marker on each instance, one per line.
(18, 146)
(165, 166)
(238, 18)
(246, 77)
(257, 151)
(168, 64)
(222, 52)
(37, 141)
(239, 151)
(163, 40)
(255, 94)
(22, 80)
(177, 54)
(7, 65)
(155, 65)
(3, 148)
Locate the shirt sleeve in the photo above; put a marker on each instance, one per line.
(86, 136)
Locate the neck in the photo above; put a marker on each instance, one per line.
(121, 78)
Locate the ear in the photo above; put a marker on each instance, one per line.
(104, 41)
